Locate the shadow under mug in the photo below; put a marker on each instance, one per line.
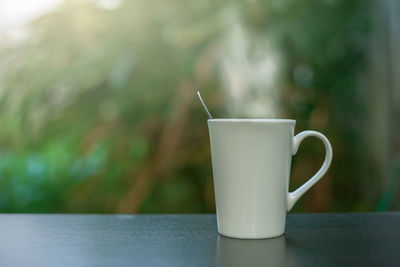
(251, 161)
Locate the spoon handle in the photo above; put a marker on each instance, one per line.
(204, 105)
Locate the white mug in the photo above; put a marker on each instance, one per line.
(251, 161)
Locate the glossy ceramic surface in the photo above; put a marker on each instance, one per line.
(251, 161)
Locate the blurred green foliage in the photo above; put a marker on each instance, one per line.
(98, 113)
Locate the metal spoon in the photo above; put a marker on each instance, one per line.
(204, 105)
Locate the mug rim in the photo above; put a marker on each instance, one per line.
(254, 120)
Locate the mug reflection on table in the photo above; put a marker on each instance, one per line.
(233, 252)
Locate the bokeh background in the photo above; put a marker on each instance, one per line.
(98, 111)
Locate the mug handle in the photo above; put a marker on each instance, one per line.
(292, 197)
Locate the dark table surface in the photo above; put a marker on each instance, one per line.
(361, 239)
